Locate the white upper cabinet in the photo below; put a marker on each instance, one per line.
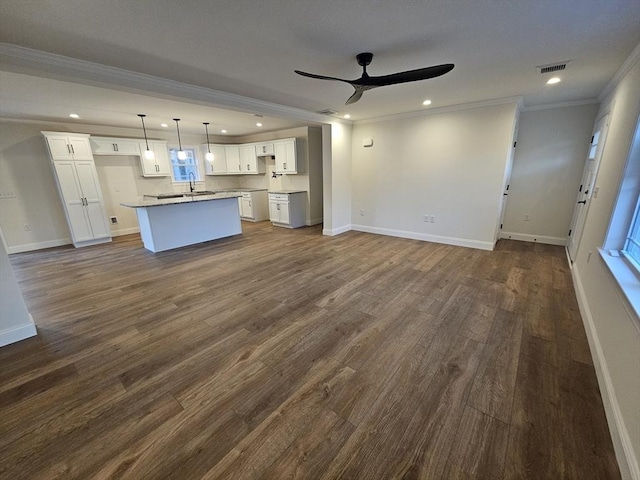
(289, 155)
(265, 149)
(116, 146)
(232, 153)
(68, 146)
(217, 166)
(158, 166)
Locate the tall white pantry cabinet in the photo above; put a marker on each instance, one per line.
(77, 180)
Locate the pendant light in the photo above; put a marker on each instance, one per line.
(182, 155)
(209, 155)
(148, 153)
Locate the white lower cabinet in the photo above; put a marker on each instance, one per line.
(82, 200)
(254, 206)
(288, 209)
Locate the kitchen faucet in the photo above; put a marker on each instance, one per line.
(192, 186)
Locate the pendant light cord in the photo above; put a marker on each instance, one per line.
(206, 129)
(178, 129)
(144, 129)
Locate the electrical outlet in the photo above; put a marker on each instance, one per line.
(362, 212)
(527, 217)
(27, 227)
(426, 218)
(432, 219)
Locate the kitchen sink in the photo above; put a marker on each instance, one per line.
(200, 192)
(180, 195)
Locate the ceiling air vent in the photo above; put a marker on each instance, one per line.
(328, 111)
(553, 67)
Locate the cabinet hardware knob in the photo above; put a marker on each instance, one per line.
(583, 202)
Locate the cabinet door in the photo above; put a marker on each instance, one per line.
(264, 149)
(217, 166)
(128, 148)
(285, 157)
(162, 158)
(248, 159)
(72, 198)
(103, 146)
(284, 213)
(80, 148)
(232, 153)
(274, 211)
(90, 187)
(246, 209)
(59, 147)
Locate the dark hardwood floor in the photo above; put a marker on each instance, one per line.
(283, 354)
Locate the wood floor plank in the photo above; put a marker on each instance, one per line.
(493, 387)
(479, 447)
(288, 354)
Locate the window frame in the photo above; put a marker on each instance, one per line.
(197, 163)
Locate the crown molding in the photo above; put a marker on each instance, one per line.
(75, 70)
(436, 111)
(575, 103)
(625, 68)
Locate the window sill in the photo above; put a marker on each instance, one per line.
(626, 278)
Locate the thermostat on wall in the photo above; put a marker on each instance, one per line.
(367, 142)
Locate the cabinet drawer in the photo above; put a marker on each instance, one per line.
(278, 197)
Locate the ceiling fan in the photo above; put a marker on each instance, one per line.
(365, 82)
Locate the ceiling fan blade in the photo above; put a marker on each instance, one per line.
(320, 77)
(357, 95)
(403, 77)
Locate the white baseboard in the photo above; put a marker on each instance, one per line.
(315, 221)
(15, 334)
(627, 461)
(459, 242)
(28, 247)
(525, 237)
(336, 231)
(125, 231)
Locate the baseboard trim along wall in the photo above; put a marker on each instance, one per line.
(15, 334)
(125, 231)
(28, 247)
(625, 455)
(525, 237)
(459, 242)
(330, 232)
(316, 221)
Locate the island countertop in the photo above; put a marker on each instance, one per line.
(144, 202)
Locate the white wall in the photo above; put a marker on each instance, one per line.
(549, 159)
(450, 165)
(613, 330)
(15, 321)
(336, 164)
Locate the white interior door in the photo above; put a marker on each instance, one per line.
(587, 185)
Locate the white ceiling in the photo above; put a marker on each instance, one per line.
(251, 47)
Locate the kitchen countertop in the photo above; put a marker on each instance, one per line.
(287, 192)
(144, 202)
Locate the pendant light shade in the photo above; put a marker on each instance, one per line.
(208, 155)
(182, 155)
(148, 153)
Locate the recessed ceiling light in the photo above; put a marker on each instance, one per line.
(223, 131)
(258, 124)
(346, 115)
(427, 102)
(553, 80)
(164, 125)
(74, 115)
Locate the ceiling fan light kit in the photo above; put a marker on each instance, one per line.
(366, 82)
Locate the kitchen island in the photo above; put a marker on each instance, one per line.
(168, 223)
